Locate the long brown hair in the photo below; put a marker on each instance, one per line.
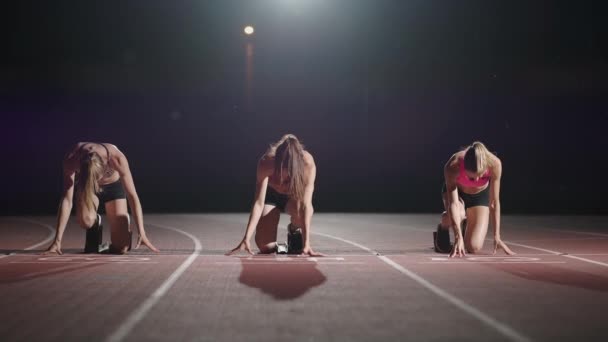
(91, 169)
(288, 155)
(477, 158)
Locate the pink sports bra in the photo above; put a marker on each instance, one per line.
(463, 180)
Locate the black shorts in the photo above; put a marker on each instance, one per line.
(276, 199)
(481, 198)
(111, 192)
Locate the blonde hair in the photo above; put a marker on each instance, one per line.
(288, 154)
(91, 169)
(477, 158)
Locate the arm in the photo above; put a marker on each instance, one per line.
(256, 209)
(120, 164)
(453, 205)
(495, 206)
(495, 199)
(450, 174)
(307, 204)
(65, 208)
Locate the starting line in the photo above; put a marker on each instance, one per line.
(87, 259)
(490, 260)
(251, 260)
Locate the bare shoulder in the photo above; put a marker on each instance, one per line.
(309, 161)
(115, 153)
(70, 159)
(452, 166)
(265, 165)
(496, 166)
(72, 151)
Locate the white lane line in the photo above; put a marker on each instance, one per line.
(136, 316)
(489, 262)
(565, 239)
(46, 241)
(585, 260)
(348, 242)
(590, 254)
(502, 328)
(578, 232)
(558, 253)
(289, 263)
(83, 262)
(484, 318)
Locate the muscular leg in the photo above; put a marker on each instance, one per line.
(120, 232)
(86, 217)
(477, 228)
(446, 220)
(266, 231)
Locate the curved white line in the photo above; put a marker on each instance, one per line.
(500, 327)
(136, 316)
(48, 239)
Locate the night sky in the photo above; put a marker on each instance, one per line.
(380, 92)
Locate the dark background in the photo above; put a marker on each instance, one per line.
(380, 92)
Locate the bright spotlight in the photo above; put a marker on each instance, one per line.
(248, 30)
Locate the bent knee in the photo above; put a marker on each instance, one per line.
(474, 247)
(87, 221)
(267, 248)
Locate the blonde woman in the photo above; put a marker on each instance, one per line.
(285, 183)
(472, 192)
(99, 174)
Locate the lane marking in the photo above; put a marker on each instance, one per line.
(484, 318)
(47, 240)
(94, 258)
(63, 259)
(509, 258)
(590, 254)
(576, 232)
(136, 316)
(82, 263)
(291, 263)
(558, 253)
(565, 239)
(586, 260)
(489, 262)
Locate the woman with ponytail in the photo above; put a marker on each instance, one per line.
(285, 183)
(99, 174)
(471, 192)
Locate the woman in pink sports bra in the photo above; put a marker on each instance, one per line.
(471, 192)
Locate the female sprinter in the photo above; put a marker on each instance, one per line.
(285, 183)
(99, 174)
(471, 191)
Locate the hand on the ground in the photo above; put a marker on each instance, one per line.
(499, 244)
(458, 248)
(143, 240)
(243, 246)
(309, 252)
(54, 248)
